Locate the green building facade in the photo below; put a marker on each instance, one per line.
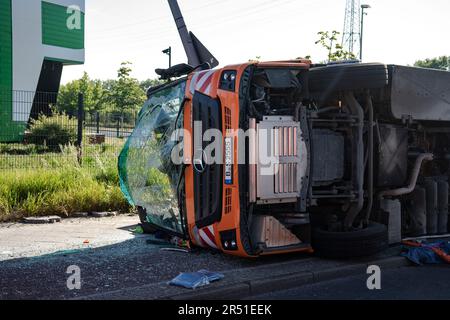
(37, 40)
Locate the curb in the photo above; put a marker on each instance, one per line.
(103, 214)
(250, 281)
(80, 215)
(229, 292)
(246, 289)
(42, 220)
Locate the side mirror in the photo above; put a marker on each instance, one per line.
(175, 71)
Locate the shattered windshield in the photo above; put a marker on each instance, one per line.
(148, 177)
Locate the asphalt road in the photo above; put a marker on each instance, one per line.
(128, 264)
(408, 283)
(115, 263)
(34, 259)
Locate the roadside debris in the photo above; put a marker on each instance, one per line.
(175, 250)
(42, 220)
(421, 253)
(65, 253)
(179, 245)
(137, 230)
(196, 280)
(156, 242)
(170, 243)
(180, 242)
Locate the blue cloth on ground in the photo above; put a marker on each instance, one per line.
(196, 280)
(425, 254)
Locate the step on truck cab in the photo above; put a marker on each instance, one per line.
(266, 158)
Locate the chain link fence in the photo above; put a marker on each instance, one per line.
(36, 133)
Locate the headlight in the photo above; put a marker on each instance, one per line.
(228, 80)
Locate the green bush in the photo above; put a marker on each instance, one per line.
(53, 131)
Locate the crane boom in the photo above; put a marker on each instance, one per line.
(196, 52)
(186, 38)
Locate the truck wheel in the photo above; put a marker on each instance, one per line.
(348, 77)
(360, 243)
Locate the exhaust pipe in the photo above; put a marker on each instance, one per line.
(413, 180)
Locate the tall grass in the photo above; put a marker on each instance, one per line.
(61, 189)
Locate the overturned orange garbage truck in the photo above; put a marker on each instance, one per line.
(265, 158)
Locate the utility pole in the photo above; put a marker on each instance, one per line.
(363, 13)
(168, 51)
(352, 27)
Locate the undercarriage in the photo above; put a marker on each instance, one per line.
(349, 158)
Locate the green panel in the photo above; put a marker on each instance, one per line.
(9, 130)
(54, 28)
(5, 46)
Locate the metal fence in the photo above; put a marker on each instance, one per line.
(37, 131)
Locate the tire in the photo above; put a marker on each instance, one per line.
(348, 77)
(342, 245)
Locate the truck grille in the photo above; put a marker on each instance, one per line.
(208, 183)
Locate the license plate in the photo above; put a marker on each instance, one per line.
(228, 160)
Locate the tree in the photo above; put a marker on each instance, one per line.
(439, 63)
(336, 51)
(68, 98)
(108, 84)
(125, 93)
(92, 90)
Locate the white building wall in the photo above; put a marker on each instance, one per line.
(29, 52)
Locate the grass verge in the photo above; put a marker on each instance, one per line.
(61, 189)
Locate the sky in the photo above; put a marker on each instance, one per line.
(396, 31)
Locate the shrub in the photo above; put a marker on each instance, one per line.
(53, 132)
